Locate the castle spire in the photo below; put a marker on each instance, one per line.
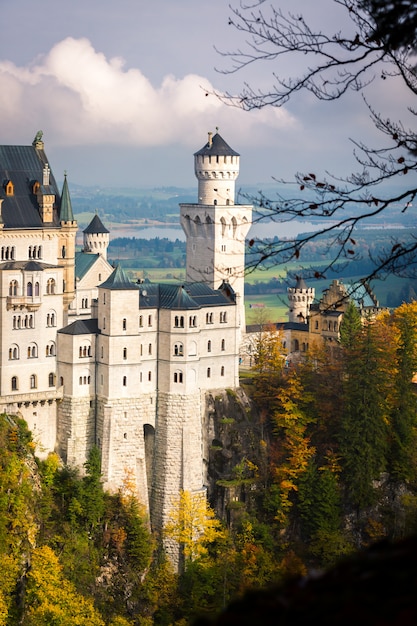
(66, 214)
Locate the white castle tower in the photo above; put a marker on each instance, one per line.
(300, 300)
(96, 237)
(216, 227)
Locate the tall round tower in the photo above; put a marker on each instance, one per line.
(216, 227)
(300, 300)
(96, 237)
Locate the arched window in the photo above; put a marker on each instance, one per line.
(32, 351)
(124, 381)
(33, 383)
(51, 318)
(178, 377)
(51, 379)
(140, 321)
(178, 349)
(208, 372)
(50, 286)
(29, 289)
(13, 286)
(50, 349)
(222, 370)
(15, 383)
(209, 346)
(37, 289)
(124, 323)
(13, 352)
(150, 348)
(125, 353)
(223, 345)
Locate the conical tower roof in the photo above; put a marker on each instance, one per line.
(95, 227)
(66, 214)
(216, 145)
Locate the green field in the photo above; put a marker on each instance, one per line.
(270, 306)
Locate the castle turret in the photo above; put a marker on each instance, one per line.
(216, 227)
(96, 237)
(300, 300)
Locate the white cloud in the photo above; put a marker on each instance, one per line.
(79, 97)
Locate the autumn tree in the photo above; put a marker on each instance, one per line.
(51, 599)
(291, 420)
(193, 525)
(403, 458)
(376, 42)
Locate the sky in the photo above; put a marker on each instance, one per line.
(118, 88)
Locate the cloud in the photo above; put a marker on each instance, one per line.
(79, 97)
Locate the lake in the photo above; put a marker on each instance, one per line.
(260, 230)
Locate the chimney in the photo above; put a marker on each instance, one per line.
(210, 139)
(46, 172)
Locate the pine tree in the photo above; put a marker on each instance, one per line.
(368, 401)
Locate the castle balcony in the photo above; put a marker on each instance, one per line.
(31, 303)
(33, 397)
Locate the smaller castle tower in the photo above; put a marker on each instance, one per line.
(96, 237)
(300, 300)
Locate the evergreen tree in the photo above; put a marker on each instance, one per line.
(368, 401)
(350, 326)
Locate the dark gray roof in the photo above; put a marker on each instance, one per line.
(23, 165)
(300, 284)
(30, 266)
(95, 226)
(256, 328)
(218, 147)
(81, 327)
(185, 296)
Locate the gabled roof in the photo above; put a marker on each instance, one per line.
(81, 327)
(119, 280)
(95, 226)
(23, 166)
(216, 146)
(83, 262)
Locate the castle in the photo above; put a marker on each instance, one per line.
(90, 358)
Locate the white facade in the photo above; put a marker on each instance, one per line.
(88, 358)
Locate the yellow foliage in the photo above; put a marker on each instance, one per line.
(193, 524)
(51, 598)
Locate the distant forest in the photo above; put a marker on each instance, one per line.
(126, 206)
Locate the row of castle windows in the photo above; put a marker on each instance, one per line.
(33, 381)
(32, 351)
(178, 349)
(28, 321)
(8, 253)
(32, 289)
(222, 318)
(179, 320)
(178, 375)
(124, 322)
